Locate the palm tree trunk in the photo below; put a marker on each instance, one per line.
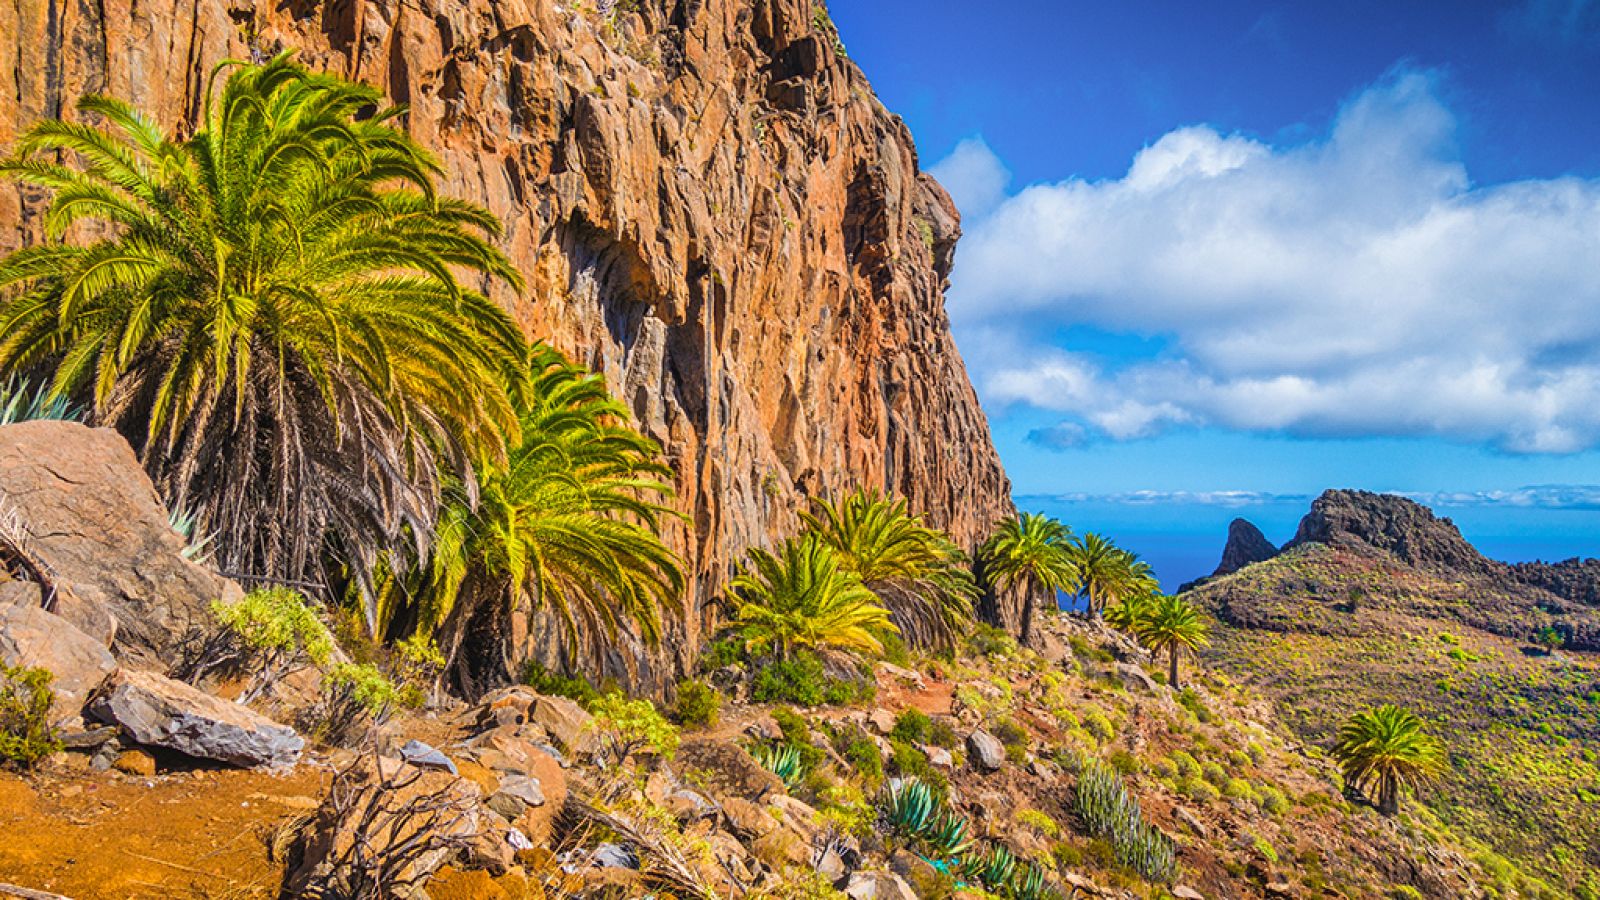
(1172, 667)
(1388, 796)
(1026, 629)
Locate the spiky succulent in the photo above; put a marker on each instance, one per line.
(782, 760)
(1110, 812)
(992, 865)
(910, 807)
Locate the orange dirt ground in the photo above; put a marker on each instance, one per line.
(91, 835)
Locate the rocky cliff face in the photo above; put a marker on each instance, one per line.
(1404, 528)
(708, 201)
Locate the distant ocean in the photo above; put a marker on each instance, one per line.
(1183, 539)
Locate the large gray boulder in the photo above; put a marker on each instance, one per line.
(97, 529)
(159, 712)
(31, 637)
(986, 751)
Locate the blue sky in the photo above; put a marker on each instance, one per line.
(1252, 250)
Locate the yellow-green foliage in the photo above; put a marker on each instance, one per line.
(1098, 725)
(698, 703)
(630, 725)
(278, 623)
(1040, 822)
(25, 733)
(367, 686)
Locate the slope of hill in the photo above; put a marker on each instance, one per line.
(1377, 601)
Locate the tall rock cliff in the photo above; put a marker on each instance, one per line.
(708, 201)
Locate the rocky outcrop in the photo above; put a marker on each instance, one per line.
(77, 663)
(709, 203)
(158, 712)
(1395, 525)
(1246, 545)
(92, 525)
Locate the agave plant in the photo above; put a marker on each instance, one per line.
(22, 400)
(1027, 883)
(782, 760)
(993, 866)
(948, 836)
(910, 807)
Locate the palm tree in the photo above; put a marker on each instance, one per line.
(1174, 625)
(803, 598)
(269, 311)
(1031, 552)
(1107, 572)
(571, 523)
(1387, 747)
(1127, 612)
(918, 573)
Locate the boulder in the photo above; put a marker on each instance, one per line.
(567, 722)
(29, 636)
(96, 525)
(157, 711)
(511, 759)
(135, 762)
(986, 751)
(1184, 892)
(882, 720)
(878, 886)
(729, 770)
(376, 807)
(19, 593)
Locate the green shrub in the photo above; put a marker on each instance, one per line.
(1109, 811)
(1214, 774)
(943, 734)
(1124, 762)
(1098, 725)
(987, 640)
(418, 662)
(907, 760)
(1009, 733)
(627, 726)
(1200, 790)
(1185, 764)
(862, 754)
(720, 654)
(556, 685)
(1040, 822)
(1191, 701)
(1239, 789)
(1272, 800)
(25, 732)
(355, 698)
(697, 704)
(912, 726)
(801, 679)
(1269, 852)
(272, 632)
(1164, 769)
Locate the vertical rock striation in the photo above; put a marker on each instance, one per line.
(709, 203)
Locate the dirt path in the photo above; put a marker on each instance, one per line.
(192, 834)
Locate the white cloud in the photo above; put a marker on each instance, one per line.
(1580, 497)
(974, 176)
(1358, 284)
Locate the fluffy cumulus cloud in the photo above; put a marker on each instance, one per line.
(1358, 284)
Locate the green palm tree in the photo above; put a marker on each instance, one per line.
(269, 311)
(571, 523)
(1387, 749)
(803, 598)
(918, 573)
(1127, 612)
(1107, 573)
(1031, 552)
(1171, 624)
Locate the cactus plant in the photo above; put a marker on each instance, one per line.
(1109, 811)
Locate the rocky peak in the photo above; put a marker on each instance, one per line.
(1246, 545)
(1402, 528)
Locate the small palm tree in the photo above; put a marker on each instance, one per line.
(1126, 613)
(570, 523)
(269, 311)
(918, 573)
(1171, 624)
(803, 598)
(1387, 749)
(1107, 572)
(1031, 552)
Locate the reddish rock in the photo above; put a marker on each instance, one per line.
(77, 663)
(99, 530)
(714, 210)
